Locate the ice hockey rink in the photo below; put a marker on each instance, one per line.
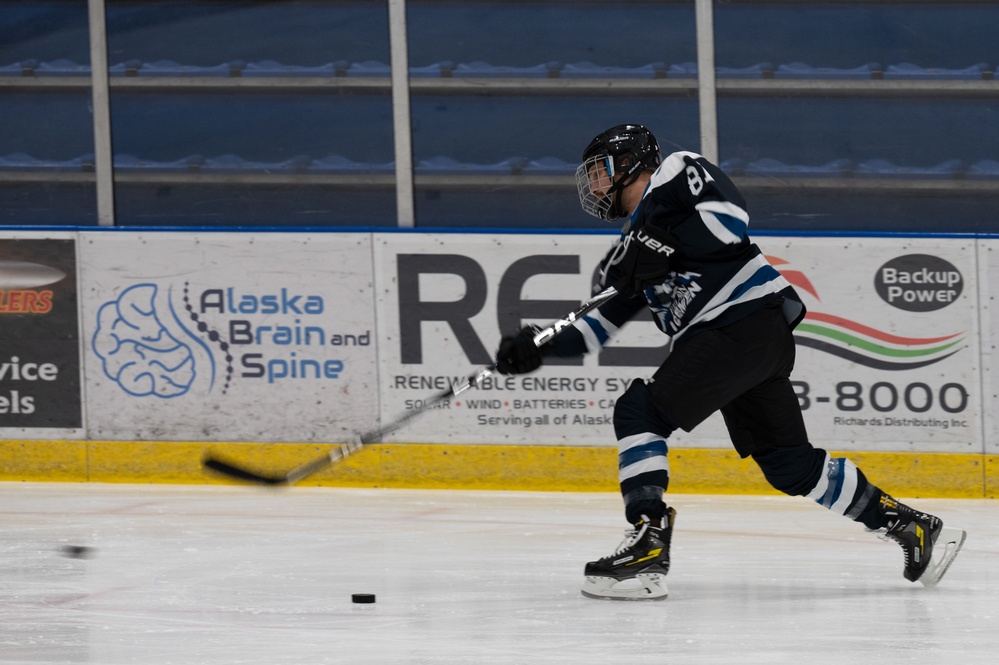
(225, 574)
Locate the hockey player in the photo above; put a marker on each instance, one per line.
(684, 255)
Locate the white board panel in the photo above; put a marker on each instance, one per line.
(226, 336)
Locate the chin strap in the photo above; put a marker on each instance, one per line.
(615, 212)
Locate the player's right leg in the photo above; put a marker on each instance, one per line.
(637, 569)
(698, 377)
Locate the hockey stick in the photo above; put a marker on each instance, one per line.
(343, 450)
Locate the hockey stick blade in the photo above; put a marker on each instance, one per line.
(340, 451)
(238, 473)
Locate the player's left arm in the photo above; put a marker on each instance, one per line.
(587, 333)
(594, 330)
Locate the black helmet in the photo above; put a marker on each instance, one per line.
(626, 151)
(633, 147)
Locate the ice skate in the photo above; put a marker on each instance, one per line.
(637, 570)
(928, 545)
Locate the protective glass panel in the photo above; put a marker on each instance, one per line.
(508, 94)
(251, 114)
(861, 116)
(47, 146)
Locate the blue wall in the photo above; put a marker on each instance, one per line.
(487, 129)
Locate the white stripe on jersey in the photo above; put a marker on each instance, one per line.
(590, 337)
(671, 167)
(723, 299)
(730, 233)
(773, 286)
(718, 229)
(725, 208)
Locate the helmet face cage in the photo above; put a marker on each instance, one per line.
(594, 182)
(624, 150)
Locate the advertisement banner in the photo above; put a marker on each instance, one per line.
(888, 355)
(228, 337)
(39, 338)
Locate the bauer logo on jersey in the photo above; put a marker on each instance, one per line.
(918, 282)
(654, 244)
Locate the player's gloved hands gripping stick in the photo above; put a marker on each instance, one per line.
(520, 354)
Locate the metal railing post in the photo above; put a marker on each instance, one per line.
(706, 96)
(101, 102)
(402, 129)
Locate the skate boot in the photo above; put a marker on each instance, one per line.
(928, 545)
(637, 570)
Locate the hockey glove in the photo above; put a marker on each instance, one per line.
(518, 353)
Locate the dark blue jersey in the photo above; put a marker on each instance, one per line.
(684, 256)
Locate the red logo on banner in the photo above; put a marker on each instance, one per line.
(862, 344)
(25, 302)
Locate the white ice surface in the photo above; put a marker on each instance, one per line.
(231, 575)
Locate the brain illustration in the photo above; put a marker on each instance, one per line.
(138, 350)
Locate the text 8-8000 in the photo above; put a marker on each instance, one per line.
(885, 397)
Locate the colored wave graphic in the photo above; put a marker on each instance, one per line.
(873, 348)
(862, 344)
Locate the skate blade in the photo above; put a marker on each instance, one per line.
(647, 586)
(945, 549)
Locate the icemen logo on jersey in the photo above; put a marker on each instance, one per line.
(684, 291)
(670, 300)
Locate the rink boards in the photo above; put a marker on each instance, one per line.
(125, 355)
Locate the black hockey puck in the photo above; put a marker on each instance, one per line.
(77, 551)
(362, 598)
